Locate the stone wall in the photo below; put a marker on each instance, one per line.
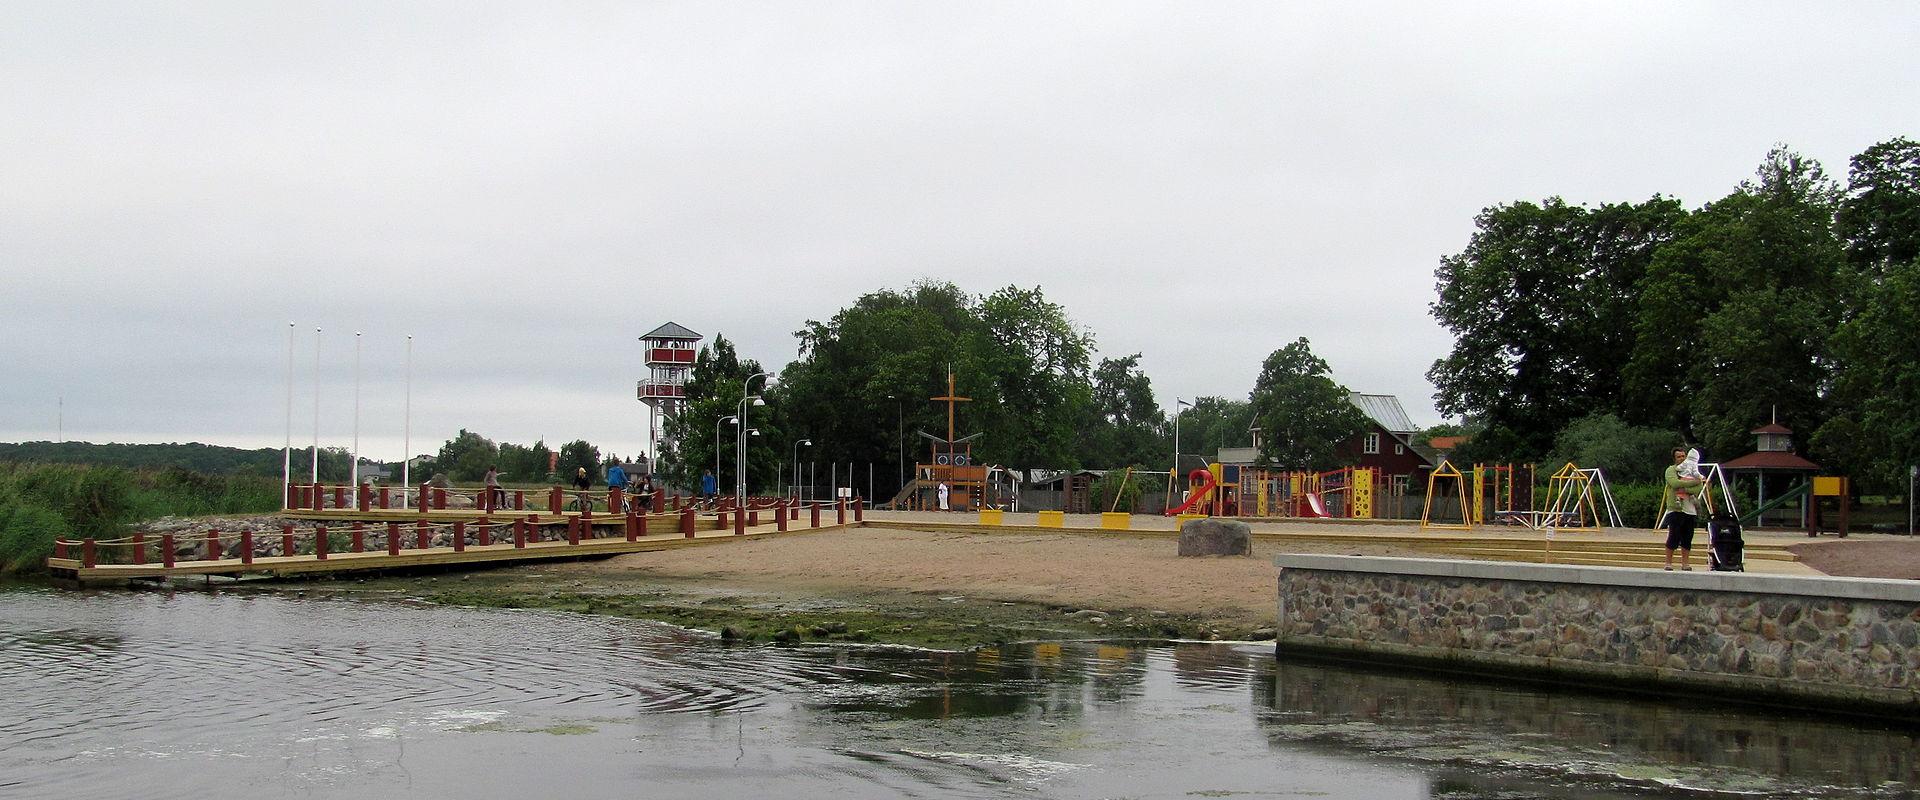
(1821, 640)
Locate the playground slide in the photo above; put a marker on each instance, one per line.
(1199, 495)
(1316, 507)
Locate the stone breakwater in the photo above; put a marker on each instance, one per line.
(1822, 640)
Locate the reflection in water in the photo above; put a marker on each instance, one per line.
(199, 694)
(1610, 740)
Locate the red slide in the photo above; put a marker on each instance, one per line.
(1199, 494)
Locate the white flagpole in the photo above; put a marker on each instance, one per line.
(406, 458)
(316, 409)
(356, 415)
(286, 450)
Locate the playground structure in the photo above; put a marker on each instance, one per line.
(1230, 490)
(949, 463)
(1576, 498)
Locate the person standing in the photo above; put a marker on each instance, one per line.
(496, 497)
(709, 486)
(1681, 510)
(943, 495)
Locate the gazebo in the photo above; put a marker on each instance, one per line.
(1774, 466)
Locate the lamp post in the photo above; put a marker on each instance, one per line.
(286, 454)
(355, 472)
(406, 442)
(1178, 406)
(724, 419)
(740, 451)
(796, 459)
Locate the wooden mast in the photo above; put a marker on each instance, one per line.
(951, 397)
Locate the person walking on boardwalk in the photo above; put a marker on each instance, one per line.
(582, 482)
(709, 487)
(1680, 510)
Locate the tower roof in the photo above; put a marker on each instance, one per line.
(672, 330)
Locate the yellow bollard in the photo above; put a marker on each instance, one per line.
(992, 516)
(1116, 520)
(1184, 517)
(1053, 519)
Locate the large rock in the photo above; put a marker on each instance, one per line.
(1215, 537)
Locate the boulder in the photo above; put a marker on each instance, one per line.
(1215, 537)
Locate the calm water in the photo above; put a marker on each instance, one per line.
(189, 694)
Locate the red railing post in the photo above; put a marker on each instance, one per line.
(139, 548)
(386, 498)
(686, 520)
(721, 519)
(292, 500)
(632, 526)
(339, 497)
(439, 498)
(423, 497)
(753, 519)
(459, 536)
(246, 546)
(816, 514)
(362, 497)
(519, 532)
(319, 498)
(573, 530)
(659, 500)
(166, 550)
(780, 514)
(87, 556)
(393, 538)
(485, 534)
(422, 536)
(320, 543)
(519, 500)
(639, 525)
(675, 500)
(840, 510)
(739, 523)
(359, 542)
(213, 545)
(859, 505)
(613, 500)
(286, 540)
(59, 548)
(586, 519)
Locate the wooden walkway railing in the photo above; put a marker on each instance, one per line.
(376, 539)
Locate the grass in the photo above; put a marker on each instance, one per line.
(43, 502)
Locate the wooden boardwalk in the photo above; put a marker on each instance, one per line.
(349, 540)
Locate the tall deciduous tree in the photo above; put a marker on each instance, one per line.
(1128, 427)
(713, 391)
(466, 456)
(1735, 312)
(1880, 218)
(1541, 304)
(1304, 416)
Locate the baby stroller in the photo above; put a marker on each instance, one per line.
(1728, 551)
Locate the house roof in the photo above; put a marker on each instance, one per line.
(1774, 427)
(1768, 459)
(1447, 442)
(1384, 409)
(672, 330)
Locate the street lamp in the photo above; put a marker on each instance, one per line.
(740, 452)
(724, 419)
(796, 459)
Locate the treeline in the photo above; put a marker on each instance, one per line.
(335, 462)
(42, 502)
(1650, 323)
(1040, 396)
(467, 456)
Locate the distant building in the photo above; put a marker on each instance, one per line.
(1387, 443)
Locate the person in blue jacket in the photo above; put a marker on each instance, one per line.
(709, 486)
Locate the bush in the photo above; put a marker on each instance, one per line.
(43, 502)
(1627, 454)
(1118, 481)
(26, 536)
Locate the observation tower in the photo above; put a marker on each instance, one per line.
(671, 349)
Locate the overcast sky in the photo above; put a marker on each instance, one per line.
(527, 187)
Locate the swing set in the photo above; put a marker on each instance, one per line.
(1576, 498)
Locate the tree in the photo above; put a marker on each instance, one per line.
(525, 464)
(1877, 385)
(713, 391)
(1304, 416)
(577, 454)
(1880, 218)
(1213, 423)
(1734, 313)
(466, 456)
(1541, 306)
(1627, 453)
(1127, 426)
